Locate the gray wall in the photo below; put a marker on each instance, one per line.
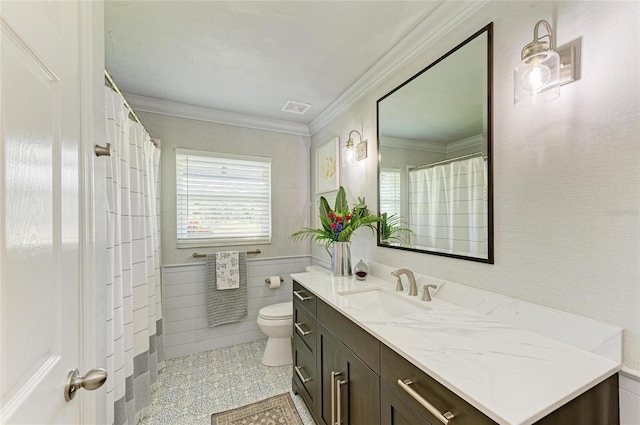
(567, 193)
(289, 178)
(186, 327)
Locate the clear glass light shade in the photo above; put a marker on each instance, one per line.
(537, 79)
(349, 155)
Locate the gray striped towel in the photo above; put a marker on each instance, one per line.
(230, 305)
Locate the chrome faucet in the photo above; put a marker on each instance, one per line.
(413, 289)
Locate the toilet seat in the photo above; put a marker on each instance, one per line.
(280, 311)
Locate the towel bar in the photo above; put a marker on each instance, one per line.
(196, 255)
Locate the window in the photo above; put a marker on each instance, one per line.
(222, 199)
(390, 191)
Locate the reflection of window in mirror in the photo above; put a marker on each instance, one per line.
(390, 191)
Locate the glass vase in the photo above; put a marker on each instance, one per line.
(361, 270)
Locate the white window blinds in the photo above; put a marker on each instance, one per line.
(222, 199)
(390, 191)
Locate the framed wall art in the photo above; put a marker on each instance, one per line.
(327, 167)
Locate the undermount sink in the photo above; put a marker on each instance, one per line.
(385, 304)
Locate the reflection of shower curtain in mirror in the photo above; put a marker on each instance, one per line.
(448, 208)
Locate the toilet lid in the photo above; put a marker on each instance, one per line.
(277, 311)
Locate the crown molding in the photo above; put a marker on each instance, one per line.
(417, 41)
(183, 110)
(423, 145)
(469, 142)
(418, 145)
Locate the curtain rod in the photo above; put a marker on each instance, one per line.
(126, 104)
(447, 161)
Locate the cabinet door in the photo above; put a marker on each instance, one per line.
(358, 392)
(350, 390)
(395, 411)
(329, 364)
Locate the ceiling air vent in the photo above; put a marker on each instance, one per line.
(294, 107)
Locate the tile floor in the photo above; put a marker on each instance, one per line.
(192, 388)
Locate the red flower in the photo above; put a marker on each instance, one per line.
(334, 225)
(348, 217)
(331, 214)
(340, 219)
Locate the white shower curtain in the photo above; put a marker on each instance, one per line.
(135, 349)
(448, 208)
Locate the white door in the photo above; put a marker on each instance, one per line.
(40, 211)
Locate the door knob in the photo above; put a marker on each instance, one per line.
(91, 381)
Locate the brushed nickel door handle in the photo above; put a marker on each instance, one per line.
(93, 380)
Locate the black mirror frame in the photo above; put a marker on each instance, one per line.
(490, 248)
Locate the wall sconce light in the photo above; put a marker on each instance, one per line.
(352, 153)
(543, 68)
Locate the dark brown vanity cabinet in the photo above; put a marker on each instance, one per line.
(304, 380)
(410, 393)
(395, 411)
(350, 390)
(347, 377)
(336, 364)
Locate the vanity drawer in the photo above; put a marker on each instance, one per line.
(395, 411)
(361, 342)
(304, 326)
(304, 297)
(304, 372)
(395, 367)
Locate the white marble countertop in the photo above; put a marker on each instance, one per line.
(511, 374)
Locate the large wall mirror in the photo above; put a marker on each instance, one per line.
(434, 171)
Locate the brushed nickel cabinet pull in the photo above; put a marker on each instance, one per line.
(301, 297)
(333, 396)
(299, 329)
(299, 373)
(339, 384)
(442, 417)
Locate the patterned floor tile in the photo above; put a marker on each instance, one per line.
(193, 387)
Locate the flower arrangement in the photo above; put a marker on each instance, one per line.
(339, 223)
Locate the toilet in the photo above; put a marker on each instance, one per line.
(276, 321)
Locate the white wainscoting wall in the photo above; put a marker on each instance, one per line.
(629, 397)
(186, 327)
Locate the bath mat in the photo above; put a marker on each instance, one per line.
(277, 410)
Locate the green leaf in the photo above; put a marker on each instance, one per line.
(341, 202)
(326, 225)
(317, 235)
(392, 229)
(323, 212)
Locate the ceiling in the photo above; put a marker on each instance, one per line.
(446, 103)
(252, 57)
